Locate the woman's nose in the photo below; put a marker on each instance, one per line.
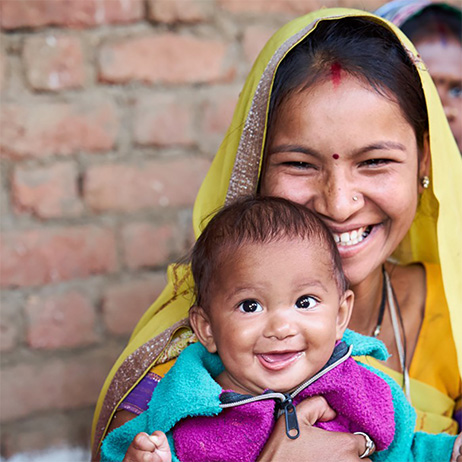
(451, 112)
(337, 199)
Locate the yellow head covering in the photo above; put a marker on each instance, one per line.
(434, 237)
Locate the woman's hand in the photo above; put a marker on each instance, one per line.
(457, 451)
(313, 444)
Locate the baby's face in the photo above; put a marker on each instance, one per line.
(275, 314)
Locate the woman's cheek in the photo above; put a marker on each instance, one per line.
(290, 188)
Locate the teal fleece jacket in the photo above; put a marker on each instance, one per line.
(189, 390)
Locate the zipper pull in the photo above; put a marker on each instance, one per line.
(290, 415)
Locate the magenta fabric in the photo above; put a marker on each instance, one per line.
(236, 434)
(362, 400)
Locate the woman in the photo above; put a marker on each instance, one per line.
(435, 28)
(358, 155)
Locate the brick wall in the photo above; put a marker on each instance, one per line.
(111, 111)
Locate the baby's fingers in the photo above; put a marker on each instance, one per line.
(141, 449)
(159, 439)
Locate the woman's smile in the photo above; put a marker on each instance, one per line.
(351, 243)
(355, 236)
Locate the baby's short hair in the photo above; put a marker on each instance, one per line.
(257, 220)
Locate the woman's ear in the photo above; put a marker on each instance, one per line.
(424, 161)
(200, 322)
(344, 312)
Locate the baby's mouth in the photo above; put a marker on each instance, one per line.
(352, 237)
(277, 361)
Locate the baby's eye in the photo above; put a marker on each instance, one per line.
(250, 306)
(305, 302)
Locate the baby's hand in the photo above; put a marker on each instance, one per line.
(145, 448)
(457, 451)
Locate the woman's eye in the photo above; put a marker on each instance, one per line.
(299, 165)
(375, 162)
(456, 91)
(250, 306)
(306, 302)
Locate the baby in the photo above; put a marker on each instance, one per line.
(271, 313)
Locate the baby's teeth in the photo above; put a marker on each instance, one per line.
(353, 235)
(337, 238)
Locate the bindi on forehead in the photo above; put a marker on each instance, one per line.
(443, 33)
(335, 156)
(336, 74)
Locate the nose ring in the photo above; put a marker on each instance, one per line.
(355, 198)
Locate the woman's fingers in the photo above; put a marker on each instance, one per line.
(314, 409)
(313, 444)
(457, 451)
(367, 444)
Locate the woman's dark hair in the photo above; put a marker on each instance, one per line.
(256, 220)
(437, 19)
(365, 50)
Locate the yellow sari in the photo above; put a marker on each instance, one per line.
(434, 237)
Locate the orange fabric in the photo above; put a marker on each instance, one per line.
(435, 357)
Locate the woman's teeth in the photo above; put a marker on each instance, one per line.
(352, 237)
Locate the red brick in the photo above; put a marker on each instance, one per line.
(10, 325)
(57, 384)
(124, 304)
(128, 187)
(3, 62)
(255, 37)
(47, 192)
(60, 321)
(163, 120)
(41, 129)
(54, 62)
(174, 11)
(274, 6)
(166, 58)
(71, 13)
(45, 256)
(146, 245)
(216, 115)
(370, 5)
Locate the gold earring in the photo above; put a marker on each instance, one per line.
(425, 182)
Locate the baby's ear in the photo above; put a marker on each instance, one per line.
(344, 312)
(200, 323)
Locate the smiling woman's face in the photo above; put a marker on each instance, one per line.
(443, 57)
(348, 154)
